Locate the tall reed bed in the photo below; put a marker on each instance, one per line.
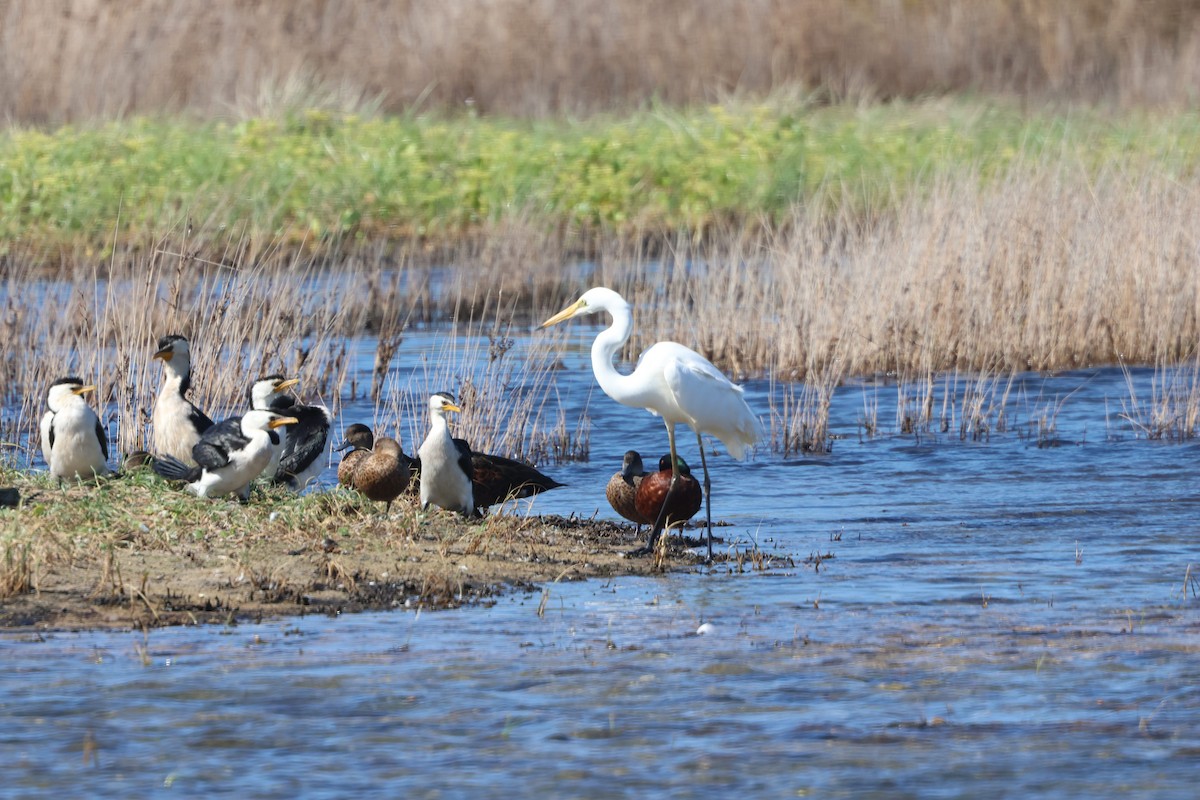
(76, 59)
(1045, 266)
(246, 318)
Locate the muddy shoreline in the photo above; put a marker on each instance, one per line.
(403, 562)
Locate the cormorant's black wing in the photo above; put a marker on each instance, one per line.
(214, 447)
(306, 440)
(198, 418)
(53, 417)
(100, 434)
(465, 462)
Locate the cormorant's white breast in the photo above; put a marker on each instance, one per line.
(74, 443)
(229, 456)
(178, 424)
(445, 466)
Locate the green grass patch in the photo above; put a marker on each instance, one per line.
(313, 176)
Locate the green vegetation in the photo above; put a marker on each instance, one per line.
(315, 175)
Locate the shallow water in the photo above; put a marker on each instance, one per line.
(988, 618)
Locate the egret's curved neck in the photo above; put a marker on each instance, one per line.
(605, 348)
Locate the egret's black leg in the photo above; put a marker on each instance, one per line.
(707, 489)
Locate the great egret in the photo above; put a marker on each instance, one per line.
(359, 440)
(622, 489)
(659, 497)
(671, 381)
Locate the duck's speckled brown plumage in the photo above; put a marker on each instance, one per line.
(384, 474)
(360, 438)
(622, 489)
(653, 491)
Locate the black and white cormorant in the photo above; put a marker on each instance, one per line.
(262, 394)
(445, 468)
(301, 457)
(178, 424)
(493, 479)
(74, 443)
(229, 456)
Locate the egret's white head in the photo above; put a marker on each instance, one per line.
(591, 302)
(66, 392)
(265, 390)
(440, 403)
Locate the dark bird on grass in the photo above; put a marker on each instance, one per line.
(670, 381)
(74, 443)
(384, 473)
(302, 448)
(229, 456)
(359, 441)
(496, 479)
(622, 489)
(652, 495)
(178, 424)
(446, 468)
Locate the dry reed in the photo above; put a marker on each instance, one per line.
(77, 59)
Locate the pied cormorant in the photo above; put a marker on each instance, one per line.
(178, 424)
(74, 443)
(301, 458)
(229, 456)
(262, 393)
(445, 468)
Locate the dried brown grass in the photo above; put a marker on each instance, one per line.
(76, 59)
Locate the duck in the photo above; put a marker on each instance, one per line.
(229, 456)
(178, 423)
(496, 479)
(358, 440)
(384, 473)
(623, 486)
(74, 443)
(685, 502)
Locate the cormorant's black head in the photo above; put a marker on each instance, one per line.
(72, 380)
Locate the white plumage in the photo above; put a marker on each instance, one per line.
(73, 440)
(671, 381)
(229, 456)
(263, 392)
(445, 479)
(178, 424)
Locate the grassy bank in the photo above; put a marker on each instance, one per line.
(317, 179)
(134, 552)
